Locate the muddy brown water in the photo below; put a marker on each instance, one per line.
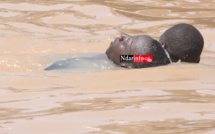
(173, 99)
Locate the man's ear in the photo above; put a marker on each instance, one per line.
(164, 45)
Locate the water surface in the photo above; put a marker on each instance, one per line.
(172, 99)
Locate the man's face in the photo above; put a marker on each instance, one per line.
(120, 46)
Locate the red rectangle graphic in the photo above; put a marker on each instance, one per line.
(143, 58)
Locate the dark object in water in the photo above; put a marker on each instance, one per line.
(183, 42)
(180, 42)
(137, 45)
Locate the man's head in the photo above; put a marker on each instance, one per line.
(183, 42)
(136, 45)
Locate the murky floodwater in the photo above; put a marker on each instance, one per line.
(172, 99)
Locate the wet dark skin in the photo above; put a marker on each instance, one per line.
(180, 42)
(137, 45)
(183, 42)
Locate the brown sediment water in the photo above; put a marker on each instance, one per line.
(172, 99)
